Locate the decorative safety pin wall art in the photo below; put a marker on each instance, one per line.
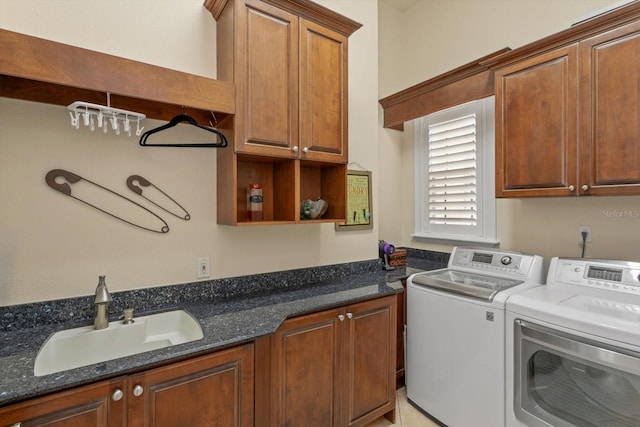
(115, 204)
(104, 116)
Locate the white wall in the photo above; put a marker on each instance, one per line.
(435, 36)
(54, 247)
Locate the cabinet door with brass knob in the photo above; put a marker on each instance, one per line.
(215, 389)
(536, 125)
(96, 405)
(335, 367)
(610, 112)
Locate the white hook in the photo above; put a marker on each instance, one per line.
(86, 116)
(114, 124)
(100, 119)
(127, 126)
(138, 128)
(75, 121)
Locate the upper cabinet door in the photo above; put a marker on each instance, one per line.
(323, 94)
(610, 112)
(270, 86)
(536, 125)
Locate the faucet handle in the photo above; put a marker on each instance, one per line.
(128, 316)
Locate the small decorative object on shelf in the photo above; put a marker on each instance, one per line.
(310, 209)
(254, 202)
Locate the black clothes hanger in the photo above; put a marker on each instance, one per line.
(222, 140)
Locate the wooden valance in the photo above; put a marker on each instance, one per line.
(466, 83)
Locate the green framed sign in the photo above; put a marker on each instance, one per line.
(359, 215)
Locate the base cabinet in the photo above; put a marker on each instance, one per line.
(89, 406)
(336, 367)
(212, 390)
(331, 368)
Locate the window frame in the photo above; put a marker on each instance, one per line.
(484, 232)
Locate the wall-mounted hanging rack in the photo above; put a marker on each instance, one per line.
(105, 117)
(180, 118)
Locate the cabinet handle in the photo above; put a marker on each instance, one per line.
(350, 315)
(138, 390)
(305, 150)
(585, 187)
(341, 317)
(571, 188)
(117, 395)
(295, 149)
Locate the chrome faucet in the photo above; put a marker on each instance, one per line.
(101, 319)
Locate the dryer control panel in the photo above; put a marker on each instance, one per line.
(621, 276)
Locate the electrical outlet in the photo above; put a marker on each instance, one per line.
(586, 228)
(203, 268)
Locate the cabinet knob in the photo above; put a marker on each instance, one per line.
(117, 395)
(585, 187)
(571, 188)
(305, 150)
(350, 315)
(341, 317)
(295, 149)
(138, 390)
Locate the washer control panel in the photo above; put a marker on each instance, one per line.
(621, 276)
(498, 262)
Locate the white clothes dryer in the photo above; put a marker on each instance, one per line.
(573, 347)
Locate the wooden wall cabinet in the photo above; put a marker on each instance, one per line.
(336, 367)
(288, 60)
(609, 147)
(536, 125)
(568, 120)
(215, 389)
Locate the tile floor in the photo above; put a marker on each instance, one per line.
(406, 414)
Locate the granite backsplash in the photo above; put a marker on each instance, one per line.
(149, 300)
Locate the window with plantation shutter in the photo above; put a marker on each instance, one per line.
(454, 174)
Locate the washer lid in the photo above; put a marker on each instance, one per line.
(469, 284)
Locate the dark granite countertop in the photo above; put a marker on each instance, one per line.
(256, 307)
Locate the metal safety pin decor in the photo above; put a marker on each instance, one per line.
(105, 200)
(156, 196)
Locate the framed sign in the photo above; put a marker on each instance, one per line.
(359, 215)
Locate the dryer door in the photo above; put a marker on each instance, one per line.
(564, 380)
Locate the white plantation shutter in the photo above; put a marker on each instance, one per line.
(454, 174)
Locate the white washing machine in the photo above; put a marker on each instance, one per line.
(573, 347)
(456, 332)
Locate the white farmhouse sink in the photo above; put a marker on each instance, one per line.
(73, 348)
